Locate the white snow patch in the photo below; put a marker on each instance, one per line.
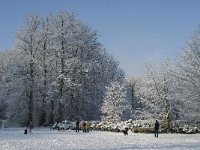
(45, 139)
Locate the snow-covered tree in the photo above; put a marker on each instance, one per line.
(133, 91)
(3, 103)
(28, 41)
(58, 70)
(13, 88)
(158, 91)
(131, 88)
(188, 76)
(115, 103)
(159, 84)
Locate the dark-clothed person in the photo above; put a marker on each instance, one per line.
(156, 128)
(77, 126)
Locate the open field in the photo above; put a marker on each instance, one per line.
(45, 139)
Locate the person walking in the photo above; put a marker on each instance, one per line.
(77, 125)
(156, 128)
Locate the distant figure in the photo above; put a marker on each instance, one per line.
(87, 127)
(25, 131)
(31, 126)
(84, 126)
(156, 128)
(77, 125)
(51, 126)
(125, 131)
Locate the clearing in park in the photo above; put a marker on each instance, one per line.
(45, 139)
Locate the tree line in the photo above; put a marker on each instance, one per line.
(171, 90)
(58, 70)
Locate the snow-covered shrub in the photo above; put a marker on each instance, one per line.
(142, 126)
(183, 126)
(145, 125)
(189, 130)
(143, 130)
(109, 126)
(64, 125)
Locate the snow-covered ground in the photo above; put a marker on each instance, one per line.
(45, 139)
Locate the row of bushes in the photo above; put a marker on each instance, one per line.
(192, 130)
(185, 130)
(106, 126)
(146, 127)
(143, 130)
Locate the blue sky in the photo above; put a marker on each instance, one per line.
(135, 32)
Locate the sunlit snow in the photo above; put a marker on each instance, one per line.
(45, 139)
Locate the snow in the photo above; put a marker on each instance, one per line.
(46, 139)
